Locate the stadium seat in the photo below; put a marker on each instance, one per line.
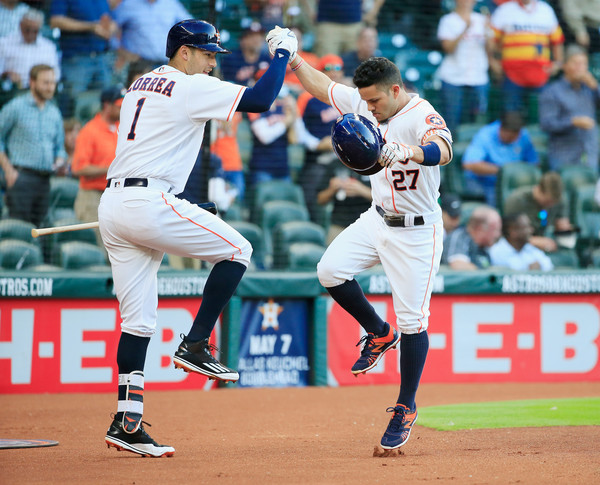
(78, 255)
(16, 254)
(514, 175)
(63, 191)
(254, 234)
(596, 258)
(58, 214)
(586, 213)
(573, 177)
(276, 212)
(465, 132)
(304, 256)
(17, 229)
(274, 190)
(84, 235)
(287, 233)
(564, 258)
(87, 104)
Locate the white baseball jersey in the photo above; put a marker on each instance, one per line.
(162, 123)
(160, 134)
(410, 255)
(409, 188)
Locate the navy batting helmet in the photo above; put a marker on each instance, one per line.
(194, 33)
(357, 143)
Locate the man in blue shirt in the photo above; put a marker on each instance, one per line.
(144, 26)
(31, 146)
(493, 146)
(85, 28)
(567, 110)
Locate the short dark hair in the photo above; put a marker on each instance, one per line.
(509, 220)
(35, 71)
(377, 70)
(511, 121)
(551, 184)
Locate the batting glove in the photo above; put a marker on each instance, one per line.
(279, 38)
(395, 152)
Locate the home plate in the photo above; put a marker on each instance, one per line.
(11, 444)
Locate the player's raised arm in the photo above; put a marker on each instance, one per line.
(313, 80)
(260, 97)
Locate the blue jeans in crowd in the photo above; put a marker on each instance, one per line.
(458, 99)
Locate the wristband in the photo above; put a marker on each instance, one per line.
(298, 65)
(431, 154)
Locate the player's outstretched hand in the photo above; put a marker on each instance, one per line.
(279, 38)
(395, 152)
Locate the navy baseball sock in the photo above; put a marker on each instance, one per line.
(131, 356)
(351, 298)
(220, 285)
(413, 352)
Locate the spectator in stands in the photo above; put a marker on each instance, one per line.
(31, 146)
(338, 24)
(366, 46)
(528, 48)
(242, 65)
(494, 145)
(268, 12)
(318, 118)
(514, 250)
(72, 127)
(597, 193)
(544, 205)
(463, 34)
(144, 27)
(86, 63)
(581, 16)
(272, 132)
(11, 12)
(350, 193)
(94, 151)
(451, 211)
(568, 113)
(467, 248)
(22, 50)
(226, 147)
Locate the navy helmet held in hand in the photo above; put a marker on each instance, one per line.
(194, 33)
(357, 143)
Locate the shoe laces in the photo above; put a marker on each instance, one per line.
(397, 421)
(367, 339)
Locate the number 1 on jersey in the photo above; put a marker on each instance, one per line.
(131, 134)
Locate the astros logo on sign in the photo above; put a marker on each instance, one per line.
(436, 120)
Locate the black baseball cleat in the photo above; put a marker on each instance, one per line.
(139, 442)
(197, 357)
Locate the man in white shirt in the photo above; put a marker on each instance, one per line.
(514, 250)
(22, 50)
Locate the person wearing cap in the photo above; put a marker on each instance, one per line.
(243, 64)
(451, 210)
(493, 146)
(94, 151)
(29, 155)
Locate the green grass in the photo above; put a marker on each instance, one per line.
(512, 414)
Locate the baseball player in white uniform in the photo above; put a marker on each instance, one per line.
(402, 230)
(161, 128)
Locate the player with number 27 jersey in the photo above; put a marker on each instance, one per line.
(406, 188)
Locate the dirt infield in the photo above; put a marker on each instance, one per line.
(293, 436)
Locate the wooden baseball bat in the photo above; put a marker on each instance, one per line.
(73, 227)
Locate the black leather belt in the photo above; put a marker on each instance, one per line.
(132, 182)
(33, 171)
(398, 220)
